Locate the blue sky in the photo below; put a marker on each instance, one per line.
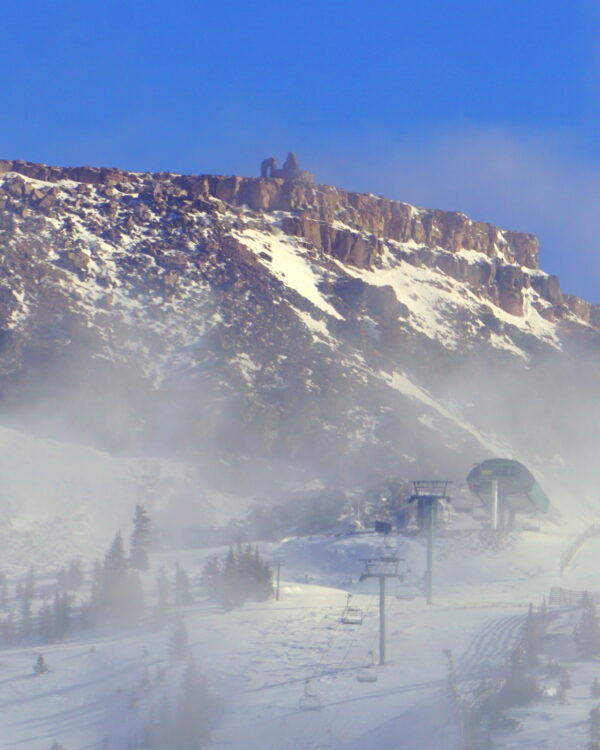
(492, 108)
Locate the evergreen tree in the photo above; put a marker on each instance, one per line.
(140, 539)
(594, 729)
(595, 688)
(230, 589)
(211, 576)
(520, 686)
(90, 610)
(46, 623)
(244, 576)
(74, 575)
(193, 712)
(182, 587)
(564, 685)
(25, 620)
(9, 630)
(113, 584)
(532, 637)
(61, 615)
(589, 630)
(40, 666)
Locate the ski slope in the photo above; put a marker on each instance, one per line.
(257, 658)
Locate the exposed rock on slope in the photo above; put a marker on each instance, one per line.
(253, 323)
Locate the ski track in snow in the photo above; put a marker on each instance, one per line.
(491, 645)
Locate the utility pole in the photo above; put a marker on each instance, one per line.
(381, 568)
(427, 493)
(277, 564)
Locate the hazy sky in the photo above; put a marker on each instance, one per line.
(489, 107)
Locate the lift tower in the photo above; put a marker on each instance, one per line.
(427, 494)
(381, 568)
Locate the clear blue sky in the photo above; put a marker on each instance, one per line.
(489, 107)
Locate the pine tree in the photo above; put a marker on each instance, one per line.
(211, 576)
(182, 587)
(74, 575)
(61, 615)
(231, 594)
(113, 586)
(40, 666)
(193, 712)
(46, 623)
(9, 630)
(531, 637)
(25, 620)
(564, 684)
(589, 630)
(140, 539)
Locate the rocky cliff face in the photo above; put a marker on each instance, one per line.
(248, 321)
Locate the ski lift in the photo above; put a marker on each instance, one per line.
(368, 673)
(309, 701)
(351, 615)
(405, 589)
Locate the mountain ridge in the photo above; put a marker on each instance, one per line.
(277, 332)
(316, 206)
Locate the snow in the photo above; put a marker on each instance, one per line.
(403, 384)
(258, 657)
(433, 298)
(290, 265)
(78, 497)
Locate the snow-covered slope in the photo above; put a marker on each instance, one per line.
(258, 658)
(60, 499)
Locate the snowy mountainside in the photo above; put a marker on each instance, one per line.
(59, 500)
(271, 332)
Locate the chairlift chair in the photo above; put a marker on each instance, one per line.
(351, 615)
(309, 701)
(368, 673)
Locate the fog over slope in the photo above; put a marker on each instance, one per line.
(236, 338)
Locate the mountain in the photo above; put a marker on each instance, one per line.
(274, 333)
